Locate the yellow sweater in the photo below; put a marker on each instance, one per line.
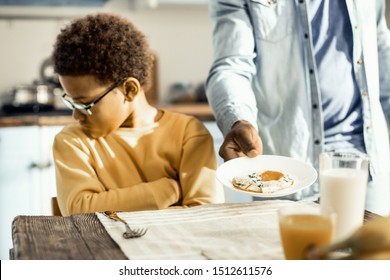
(171, 163)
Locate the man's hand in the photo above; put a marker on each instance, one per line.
(242, 140)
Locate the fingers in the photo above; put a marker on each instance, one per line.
(229, 151)
(249, 142)
(242, 140)
(253, 153)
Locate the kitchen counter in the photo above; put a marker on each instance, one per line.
(202, 111)
(55, 117)
(64, 116)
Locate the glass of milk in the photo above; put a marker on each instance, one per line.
(343, 185)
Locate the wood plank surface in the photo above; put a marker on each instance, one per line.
(99, 242)
(78, 237)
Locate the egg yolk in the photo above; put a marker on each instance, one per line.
(270, 175)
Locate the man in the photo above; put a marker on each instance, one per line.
(296, 78)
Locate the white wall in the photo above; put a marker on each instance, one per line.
(179, 34)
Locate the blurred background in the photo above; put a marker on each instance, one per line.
(179, 32)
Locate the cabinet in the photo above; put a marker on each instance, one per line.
(27, 179)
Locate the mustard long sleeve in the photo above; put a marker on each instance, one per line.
(171, 163)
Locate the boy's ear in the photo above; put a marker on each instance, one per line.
(132, 87)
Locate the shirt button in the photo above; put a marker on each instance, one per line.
(311, 71)
(315, 106)
(364, 93)
(368, 126)
(317, 142)
(360, 61)
(301, 1)
(356, 26)
(306, 35)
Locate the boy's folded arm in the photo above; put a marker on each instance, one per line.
(158, 194)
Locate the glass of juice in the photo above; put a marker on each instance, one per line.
(302, 227)
(343, 185)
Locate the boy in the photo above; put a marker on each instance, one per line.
(123, 154)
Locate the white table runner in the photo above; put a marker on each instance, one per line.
(218, 231)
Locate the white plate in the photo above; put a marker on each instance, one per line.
(303, 174)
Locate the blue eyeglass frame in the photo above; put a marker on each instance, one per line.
(86, 108)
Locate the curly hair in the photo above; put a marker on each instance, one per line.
(104, 45)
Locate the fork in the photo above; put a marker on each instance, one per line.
(129, 233)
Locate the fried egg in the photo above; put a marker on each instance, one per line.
(268, 181)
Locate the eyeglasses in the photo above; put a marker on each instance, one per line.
(86, 108)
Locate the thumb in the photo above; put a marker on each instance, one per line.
(253, 153)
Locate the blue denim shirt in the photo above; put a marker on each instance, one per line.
(264, 72)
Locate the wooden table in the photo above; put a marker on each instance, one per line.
(78, 237)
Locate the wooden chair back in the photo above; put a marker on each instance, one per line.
(55, 209)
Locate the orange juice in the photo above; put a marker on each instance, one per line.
(299, 231)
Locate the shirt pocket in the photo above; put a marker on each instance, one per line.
(272, 20)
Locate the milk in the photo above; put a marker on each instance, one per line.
(343, 191)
